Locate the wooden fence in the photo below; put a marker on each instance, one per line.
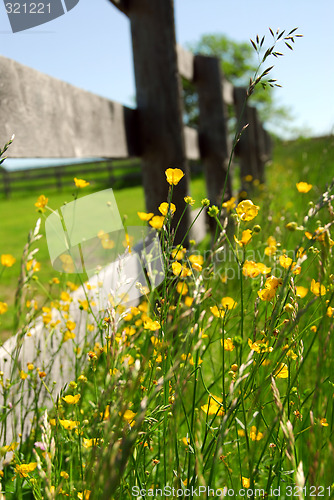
(51, 118)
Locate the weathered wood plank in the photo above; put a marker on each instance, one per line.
(185, 63)
(51, 118)
(227, 92)
(192, 144)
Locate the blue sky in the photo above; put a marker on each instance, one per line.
(90, 47)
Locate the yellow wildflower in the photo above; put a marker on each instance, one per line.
(84, 495)
(68, 424)
(247, 211)
(229, 204)
(88, 443)
(245, 239)
(70, 325)
(180, 270)
(157, 221)
(145, 216)
(24, 469)
(80, 183)
(197, 261)
(189, 200)
(151, 325)
(178, 253)
(303, 187)
(163, 208)
(3, 307)
(71, 400)
(32, 264)
(254, 434)
(282, 371)
(228, 303)
(182, 288)
(41, 202)
(245, 482)
(228, 344)
(68, 335)
(129, 415)
(317, 288)
(286, 262)
(259, 347)
(323, 422)
(65, 297)
(301, 291)
(173, 175)
(213, 407)
(253, 269)
(7, 260)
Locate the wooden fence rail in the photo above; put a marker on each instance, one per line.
(53, 119)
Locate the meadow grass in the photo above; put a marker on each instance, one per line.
(18, 215)
(220, 378)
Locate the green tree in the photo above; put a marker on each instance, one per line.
(239, 63)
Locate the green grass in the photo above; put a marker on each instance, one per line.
(147, 385)
(18, 216)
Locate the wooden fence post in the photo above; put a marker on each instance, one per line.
(213, 134)
(259, 142)
(159, 102)
(246, 148)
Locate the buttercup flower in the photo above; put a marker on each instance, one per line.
(145, 216)
(247, 210)
(317, 288)
(41, 202)
(245, 482)
(228, 303)
(246, 237)
(272, 246)
(213, 407)
(182, 288)
(129, 417)
(196, 261)
(163, 208)
(180, 270)
(230, 204)
(68, 424)
(227, 344)
(270, 287)
(174, 175)
(24, 469)
(253, 269)
(189, 200)
(71, 400)
(303, 187)
(7, 260)
(301, 291)
(157, 221)
(80, 183)
(254, 434)
(282, 371)
(3, 307)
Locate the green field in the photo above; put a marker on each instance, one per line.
(18, 216)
